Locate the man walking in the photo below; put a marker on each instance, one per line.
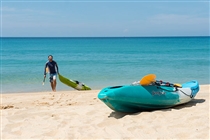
(53, 70)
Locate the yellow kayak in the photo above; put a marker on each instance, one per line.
(73, 83)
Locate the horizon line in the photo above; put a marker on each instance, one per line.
(98, 36)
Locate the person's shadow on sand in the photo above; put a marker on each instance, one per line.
(193, 102)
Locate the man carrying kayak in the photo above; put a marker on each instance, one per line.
(53, 70)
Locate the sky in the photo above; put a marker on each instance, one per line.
(66, 18)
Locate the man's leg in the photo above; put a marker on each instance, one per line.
(54, 85)
(51, 82)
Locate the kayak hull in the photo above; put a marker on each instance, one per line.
(74, 84)
(134, 98)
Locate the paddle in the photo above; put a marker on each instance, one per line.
(43, 81)
(150, 78)
(47, 70)
(169, 84)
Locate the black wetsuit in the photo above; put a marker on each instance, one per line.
(51, 67)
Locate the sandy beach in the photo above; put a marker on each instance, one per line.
(81, 115)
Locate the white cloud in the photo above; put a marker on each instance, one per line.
(8, 9)
(177, 19)
(125, 30)
(174, 24)
(27, 10)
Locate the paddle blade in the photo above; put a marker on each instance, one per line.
(177, 85)
(148, 79)
(43, 81)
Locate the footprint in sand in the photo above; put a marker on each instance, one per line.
(44, 103)
(68, 102)
(37, 103)
(6, 107)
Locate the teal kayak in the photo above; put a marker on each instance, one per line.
(135, 97)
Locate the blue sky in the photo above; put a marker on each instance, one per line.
(40, 18)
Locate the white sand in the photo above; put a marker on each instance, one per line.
(81, 115)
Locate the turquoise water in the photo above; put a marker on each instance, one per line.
(101, 62)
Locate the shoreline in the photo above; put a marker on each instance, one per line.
(81, 115)
(72, 90)
(42, 92)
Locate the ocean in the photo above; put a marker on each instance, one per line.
(101, 62)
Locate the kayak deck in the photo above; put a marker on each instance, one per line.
(133, 98)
